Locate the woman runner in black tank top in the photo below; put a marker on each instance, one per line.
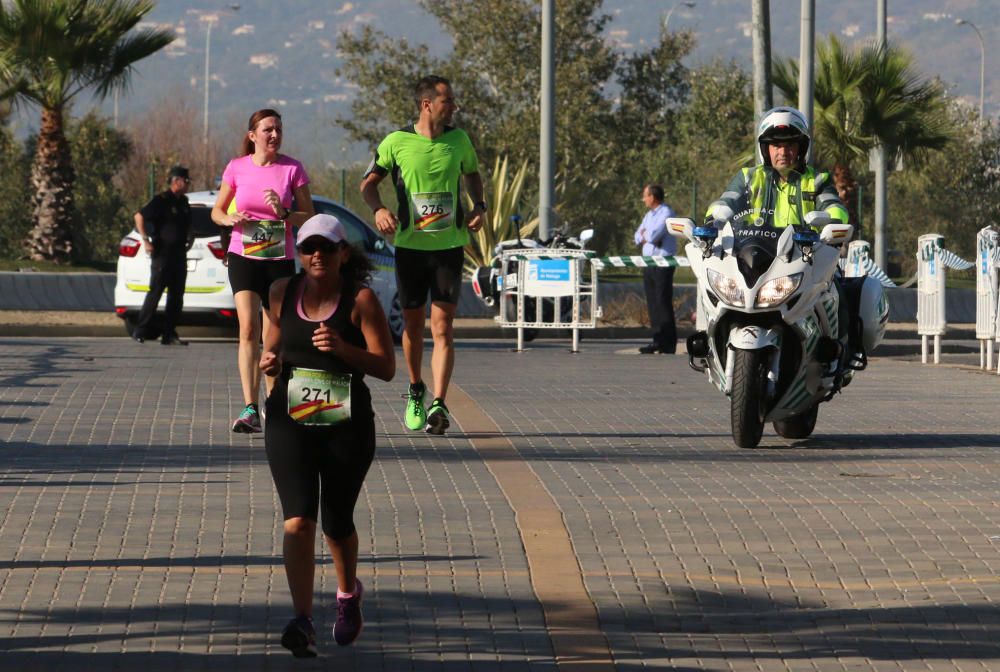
(327, 331)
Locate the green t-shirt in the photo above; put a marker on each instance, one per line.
(427, 175)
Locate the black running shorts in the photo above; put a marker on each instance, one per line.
(420, 271)
(257, 276)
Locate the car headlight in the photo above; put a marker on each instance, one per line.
(726, 288)
(775, 291)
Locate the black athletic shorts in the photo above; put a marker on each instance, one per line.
(257, 276)
(437, 271)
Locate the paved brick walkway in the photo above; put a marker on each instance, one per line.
(139, 533)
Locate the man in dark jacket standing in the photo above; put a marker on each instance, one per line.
(165, 226)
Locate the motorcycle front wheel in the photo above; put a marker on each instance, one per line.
(748, 396)
(798, 426)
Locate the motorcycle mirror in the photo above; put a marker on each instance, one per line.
(682, 227)
(586, 235)
(817, 219)
(836, 234)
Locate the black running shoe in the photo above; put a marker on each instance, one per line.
(299, 637)
(437, 418)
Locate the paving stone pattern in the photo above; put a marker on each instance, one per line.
(138, 532)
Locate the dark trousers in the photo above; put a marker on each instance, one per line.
(659, 285)
(168, 272)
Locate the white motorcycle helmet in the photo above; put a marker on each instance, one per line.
(783, 123)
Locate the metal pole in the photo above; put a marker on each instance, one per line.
(204, 132)
(881, 168)
(880, 18)
(982, 64)
(861, 191)
(546, 168)
(761, 22)
(807, 40)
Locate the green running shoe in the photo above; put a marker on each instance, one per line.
(416, 415)
(437, 418)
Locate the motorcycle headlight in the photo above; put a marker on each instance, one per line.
(774, 292)
(726, 288)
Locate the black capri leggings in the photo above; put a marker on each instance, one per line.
(319, 469)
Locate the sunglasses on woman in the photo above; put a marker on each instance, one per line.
(322, 245)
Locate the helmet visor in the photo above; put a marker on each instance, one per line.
(778, 133)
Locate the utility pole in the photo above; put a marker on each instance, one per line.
(547, 160)
(807, 40)
(879, 156)
(761, 27)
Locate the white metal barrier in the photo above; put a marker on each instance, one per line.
(932, 259)
(987, 286)
(541, 287)
(859, 263)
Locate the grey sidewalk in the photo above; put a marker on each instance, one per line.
(141, 534)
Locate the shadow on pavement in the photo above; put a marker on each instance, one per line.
(405, 629)
(769, 629)
(216, 561)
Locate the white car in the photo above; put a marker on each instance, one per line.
(208, 298)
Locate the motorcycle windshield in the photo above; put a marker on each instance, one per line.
(755, 248)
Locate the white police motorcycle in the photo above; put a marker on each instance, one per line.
(769, 319)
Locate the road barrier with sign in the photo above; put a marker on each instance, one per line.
(859, 263)
(557, 288)
(548, 289)
(987, 293)
(932, 260)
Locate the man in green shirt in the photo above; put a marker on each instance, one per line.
(426, 162)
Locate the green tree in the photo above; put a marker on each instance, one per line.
(695, 152)
(15, 220)
(864, 98)
(103, 217)
(493, 65)
(50, 51)
(954, 192)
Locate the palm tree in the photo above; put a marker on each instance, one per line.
(864, 98)
(50, 51)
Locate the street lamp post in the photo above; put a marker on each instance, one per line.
(210, 19)
(666, 19)
(982, 63)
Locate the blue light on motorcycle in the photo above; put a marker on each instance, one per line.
(806, 238)
(705, 233)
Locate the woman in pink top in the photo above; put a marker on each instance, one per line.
(265, 185)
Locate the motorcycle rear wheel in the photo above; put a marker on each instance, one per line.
(748, 397)
(798, 426)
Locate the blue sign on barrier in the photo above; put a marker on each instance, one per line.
(549, 270)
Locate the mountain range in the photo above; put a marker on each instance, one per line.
(264, 53)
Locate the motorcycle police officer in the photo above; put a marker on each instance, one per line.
(781, 188)
(165, 226)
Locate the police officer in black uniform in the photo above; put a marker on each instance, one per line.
(165, 226)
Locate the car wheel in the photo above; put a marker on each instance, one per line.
(396, 320)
